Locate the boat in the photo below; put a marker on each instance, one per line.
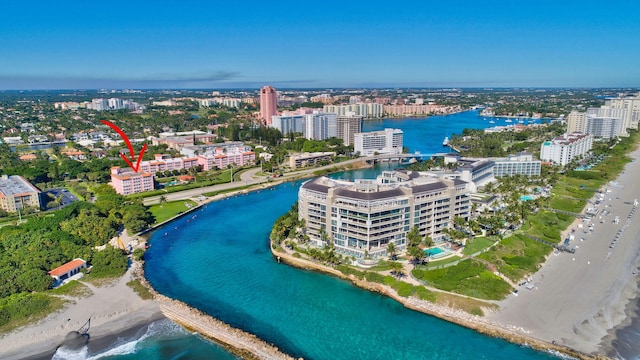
(492, 122)
(446, 141)
(508, 120)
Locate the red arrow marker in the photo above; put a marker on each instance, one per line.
(131, 152)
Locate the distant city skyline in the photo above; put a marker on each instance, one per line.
(150, 45)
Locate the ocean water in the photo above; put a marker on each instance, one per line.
(162, 339)
(217, 259)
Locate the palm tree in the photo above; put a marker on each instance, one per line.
(391, 250)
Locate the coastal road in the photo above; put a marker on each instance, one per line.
(576, 299)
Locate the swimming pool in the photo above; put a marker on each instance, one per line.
(434, 252)
(526, 197)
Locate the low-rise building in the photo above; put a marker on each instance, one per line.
(223, 157)
(360, 218)
(126, 181)
(308, 159)
(17, 193)
(67, 270)
(164, 162)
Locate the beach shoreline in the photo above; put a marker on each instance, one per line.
(105, 331)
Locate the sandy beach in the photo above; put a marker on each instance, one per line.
(112, 308)
(578, 299)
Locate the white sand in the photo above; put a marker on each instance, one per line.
(580, 297)
(112, 308)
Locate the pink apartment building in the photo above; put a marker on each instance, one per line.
(221, 159)
(268, 104)
(166, 162)
(126, 181)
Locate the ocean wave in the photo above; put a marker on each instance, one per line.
(123, 346)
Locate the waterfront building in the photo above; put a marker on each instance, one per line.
(268, 98)
(195, 150)
(320, 126)
(362, 217)
(222, 157)
(632, 106)
(126, 181)
(164, 162)
(576, 122)
(563, 149)
(606, 122)
(519, 164)
(387, 141)
(417, 109)
(347, 126)
(309, 159)
(17, 193)
(366, 110)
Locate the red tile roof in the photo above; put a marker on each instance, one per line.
(65, 268)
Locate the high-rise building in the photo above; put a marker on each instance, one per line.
(115, 104)
(563, 149)
(387, 141)
(605, 122)
(576, 121)
(320, 126)
(268, 108)
(348, 126)
(367, 110)
(289, 123)
(632, 106)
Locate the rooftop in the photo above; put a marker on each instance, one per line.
(15, 185)
(65, 268)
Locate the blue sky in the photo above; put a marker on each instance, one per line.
(211, 44)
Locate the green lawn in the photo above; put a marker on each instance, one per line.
(517, 256)
(478, 244)
(433, 264)
(469, 277)
(168, 210)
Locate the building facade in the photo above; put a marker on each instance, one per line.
(362, 217)
(288, 124)
(387, 141)
(366, 110)
(222, 157)
(126, 181)
(308, 159)
(320, 126)
(347, 126)
(606, 122)
(563, 149)
(576, 122)
(268, 104)
(17, 193)
(632, 106)
(166, 162)
(518, 164)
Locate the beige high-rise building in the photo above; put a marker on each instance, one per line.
(632, 106)
(576, 122)
(348, 126)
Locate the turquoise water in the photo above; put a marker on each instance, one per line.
(433, 251)
(220, 263)
(217, 259)
(526, 197)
